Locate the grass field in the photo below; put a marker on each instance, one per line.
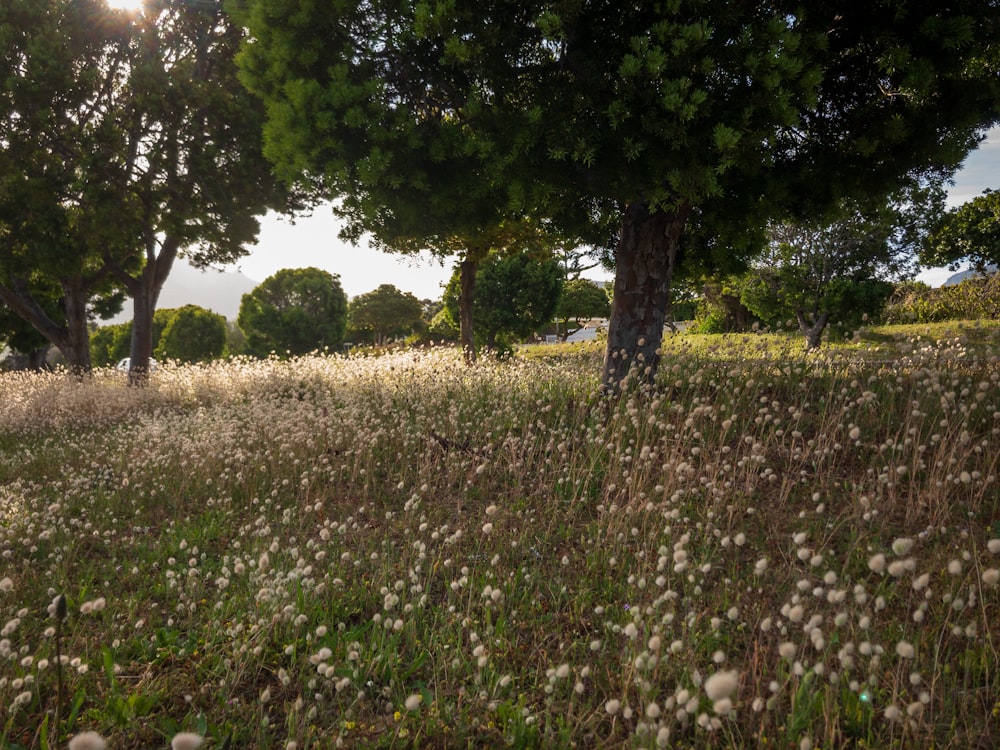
(769, 550)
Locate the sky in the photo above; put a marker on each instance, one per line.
(312, 241)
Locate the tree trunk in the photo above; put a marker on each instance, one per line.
(71, 338)
(812, 328)
(77, 351)
(644, 262)
(141, 347)
(38, 358)
(145, 291)
(466, 296)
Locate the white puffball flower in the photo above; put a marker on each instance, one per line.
(613, 706)
(877, 562)
(905, 650)
(6, 585)
(787, 650)
(723, 706)
(991, 576)
(88, 741)
(413, 702)
(993, 545)
(902, 546)
(721, 685)
(186, 741)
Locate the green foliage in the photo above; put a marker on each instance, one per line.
(17, 334)
(724, 115)
(110, 344)
(580, 301)
(443, 327)
(127, 140)
(973, 299)
(295, 311)
(838, 269)
(720, 308)
(193, 334)
(970, 232)
(383, 313)
(515, 295)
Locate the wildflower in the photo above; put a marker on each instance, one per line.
(6, 585)
(877, 562)
(413, 702)
(186, 741)
(787, 650)
(723, 706)
(87, 741)
(905, 650)
(613, 706)
(721, 685)
(993, 545)
(902, 546)
(991, 576)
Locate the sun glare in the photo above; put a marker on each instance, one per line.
(127, 5)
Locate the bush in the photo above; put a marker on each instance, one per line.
(973, 299)
(194, 334)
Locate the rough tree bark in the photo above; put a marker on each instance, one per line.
(644, 261)
(812, 327)
(466, 297)
(144, 290)
(73, 338)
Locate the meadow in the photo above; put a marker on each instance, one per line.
(768, 550)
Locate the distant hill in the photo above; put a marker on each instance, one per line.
(220, 292)
(961, 276)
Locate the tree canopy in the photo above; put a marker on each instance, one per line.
(837, 268)
(515, 296)
(970, 233)
(295, 311)
(659, 112)
(125, 140)
(384, 312)
(193, 334)
(580, 301)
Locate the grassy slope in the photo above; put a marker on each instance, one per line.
(275, 552)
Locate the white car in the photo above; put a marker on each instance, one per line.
(125, 364)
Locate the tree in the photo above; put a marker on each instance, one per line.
(22, 339)
(840, 269)
(295, 311)
(193, 334)
(397, 155)
(970, 233)
(126, 141)
(580, 301)
(515, 295)
(384, 312)
(749, 112)
(110, 344)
